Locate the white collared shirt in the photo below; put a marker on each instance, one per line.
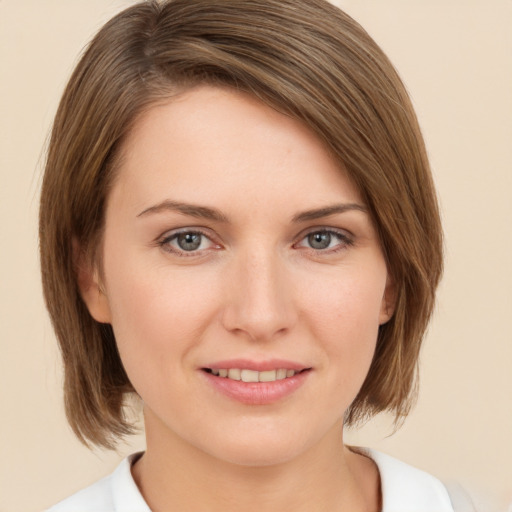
(404, 489)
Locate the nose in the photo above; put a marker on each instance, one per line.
(260, 304)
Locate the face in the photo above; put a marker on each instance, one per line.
(242, 276)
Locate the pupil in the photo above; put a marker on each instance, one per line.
(189, 241)
(319, 240)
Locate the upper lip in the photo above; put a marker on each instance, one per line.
(259, 366)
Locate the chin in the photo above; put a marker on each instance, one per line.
(259, 455)
(260, 447)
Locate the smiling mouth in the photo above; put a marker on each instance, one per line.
(246, 375)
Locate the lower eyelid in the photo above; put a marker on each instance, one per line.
(164, 242)
(343, 238)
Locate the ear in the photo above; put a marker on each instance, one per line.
(90, 286)
(389, 299)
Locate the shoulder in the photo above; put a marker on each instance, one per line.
(408, 489)
(97, 496)
(116, 492)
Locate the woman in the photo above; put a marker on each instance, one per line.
(238, 225)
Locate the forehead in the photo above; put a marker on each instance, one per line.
(212, 143)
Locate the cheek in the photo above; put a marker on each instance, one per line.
(344, 315)
(158, 316)
(352, 300)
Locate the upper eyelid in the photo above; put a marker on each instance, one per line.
(164, 242)
(172, 233)
(325, 229)
(345, 238)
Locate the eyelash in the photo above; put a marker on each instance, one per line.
(344, 241)
(164, 242)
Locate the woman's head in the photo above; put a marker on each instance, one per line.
(305, 59)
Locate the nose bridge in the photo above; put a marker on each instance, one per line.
(260, 303)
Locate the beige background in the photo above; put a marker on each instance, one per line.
(455, 57)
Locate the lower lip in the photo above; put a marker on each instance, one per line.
(257, 393)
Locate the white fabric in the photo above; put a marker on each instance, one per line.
(404, 489)
(407, 489)
(117, 492)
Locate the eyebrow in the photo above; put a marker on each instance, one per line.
(319, 213)
(205, 212)
(193, 210)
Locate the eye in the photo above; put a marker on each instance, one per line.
(189, 241)
(320, 240)
(186, 242)
(325, 239)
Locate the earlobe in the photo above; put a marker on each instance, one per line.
(90, 286)
(388, 301)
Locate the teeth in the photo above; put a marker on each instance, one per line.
(281, 374)
(235, 374)
(254, 376)
(249, 376)
(269, 376)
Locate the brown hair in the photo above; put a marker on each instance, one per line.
(305, 58)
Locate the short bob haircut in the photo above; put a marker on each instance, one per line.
(308, 60)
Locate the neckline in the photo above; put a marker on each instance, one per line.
(402, 488)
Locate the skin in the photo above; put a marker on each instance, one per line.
(255, 289)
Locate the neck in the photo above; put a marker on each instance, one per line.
(173, 475)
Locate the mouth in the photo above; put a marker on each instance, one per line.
(256, 382)
(247, 375)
